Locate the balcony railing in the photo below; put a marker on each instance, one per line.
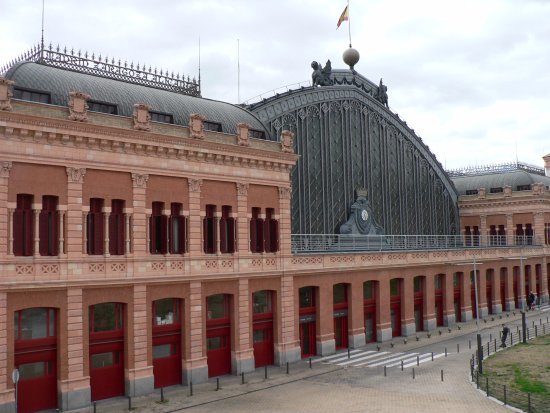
(330, 243)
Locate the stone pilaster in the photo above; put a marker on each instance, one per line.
(284, 220)
(466, 297)
(140, 380)
(509, 289)
(430, 321)
(195, 221)
(75, 388)
(243, 226)
(106, 215)
(408, 325)
(287, 348)
(510, 229)
(449, 316)
(356, 316)
(5, 215)
(75, 228)
(483, 229)
(5, 93)
(538, 225)
(544, 284)
(140, 222)
(7, 393)
(242, 357)
(383, 320)
(36, 220)
(326, 344)
(195, 366)
(61, 233)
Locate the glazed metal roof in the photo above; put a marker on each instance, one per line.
(515, 178)
(59, 82)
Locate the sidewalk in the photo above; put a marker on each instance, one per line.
(330, 388)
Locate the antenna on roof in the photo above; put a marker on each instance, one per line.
(42, 38)
(238, 73)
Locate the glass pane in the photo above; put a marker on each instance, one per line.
(216, 305)
(163, 350)
(34, 323)
(456, 279)
(102, 360)
(104, 317)
(261, 302)
(214, 343)
(51, 331)
(259, 336)
(418, 317)
(368, 290)
(16, 324)
(394, 287)
(32, 370)
(306, 297)
(166, 311)
(369, 325)
(418, 284)
(339, 293)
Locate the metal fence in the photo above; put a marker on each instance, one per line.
(330, 243)
(496, 387)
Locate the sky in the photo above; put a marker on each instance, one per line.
(471, 77)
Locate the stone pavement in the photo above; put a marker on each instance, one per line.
(331, 388)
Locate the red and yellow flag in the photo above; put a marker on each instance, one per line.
(343, 16)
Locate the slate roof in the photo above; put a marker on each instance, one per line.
(59, 82)
(498, 180)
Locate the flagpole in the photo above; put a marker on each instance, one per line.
(349, 25)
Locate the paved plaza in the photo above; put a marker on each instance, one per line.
(354, 383)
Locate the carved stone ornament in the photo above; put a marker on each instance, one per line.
(5, 93)
(361, 218)
(196, 126)
(481, 193)
(507, 190)
(284, 192)
(142, 118)
(76, 175)
(78, 108)
(194, 185)
(140, 180)
(5, 168)
(287, 141)
(537, 188)
(242, 189)
(242, 134)
(321, 75)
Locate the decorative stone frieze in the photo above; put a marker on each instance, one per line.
(5, 93)
(5, 168)
(78, 108)
(194, 184)
(242, 189)
(242, 134)
(284, 192)
(76, 175)
(287, 140)
(196, 126)
(141, 116)
(140, 180)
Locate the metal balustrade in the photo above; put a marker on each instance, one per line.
(334, 243)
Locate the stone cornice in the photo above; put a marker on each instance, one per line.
(104, 138)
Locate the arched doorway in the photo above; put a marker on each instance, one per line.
(308, 320)
(262, 327)
(340, 314)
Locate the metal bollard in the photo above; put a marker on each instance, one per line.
(385, 373)
(445, 351)
(469, 344)
(130, 403)
(441, 375)
(94, 407)
(310, 363)
(418, 360)
(457, 348)
(529, 402)
(413, 373)
(488, 348)
(265, 372)
(432, 356)
(477, 378)
(487, 385)
(287, 370)
(504, 392)
(349, 355)
(162, 394)
(190, 388)
(242, 377)
(217, 383)
(490, 336)
(536, 332)
(401, 365)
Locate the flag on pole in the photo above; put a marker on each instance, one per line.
(343, 16)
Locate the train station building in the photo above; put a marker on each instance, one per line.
(151, 237)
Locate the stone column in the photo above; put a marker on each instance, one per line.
(284, 220)
(408, 325)
(140, 379)
(217, 218)
(139, 219)
(7, 391)
(75, 389)
(449, 317)
(85, 231)
(61, 233)
(430, 321)
(325, 322)
(510, 229)
(383, 320)
(287, 347)
(509, 289)
(195, 221)
(483, 230)
(127, 249)
(466, 297)
(482, 292)
(544, 285)
(356, 315)
(242, 357)
(195, 367)
(495, 293)
(75, 224)
(36, 212)
(6, 217)
(106, 215)
(538, 228)
(243, 225)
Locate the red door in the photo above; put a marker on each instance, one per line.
(263, 342)
(341, 329)
(36, 359)
(419, 316)
(516, 288)
(473, 298)
(307, 338)
(395, 316)
(439, 309)
(218, 351)
(370, 323)
(166, 342)
(503, 293)
(489, 298)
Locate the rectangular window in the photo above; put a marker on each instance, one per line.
(48, 224)
(164, 350)
(215, 343)
(102, 360)
(106, 317)
(307, 297)
(256, 231)
(217, 306)
(256, 134)
(158, 226)
(418, 284)
(456, 280)
(368, 290)
(95, 224)
(227, 231)
(33, 370)
(471, 192)
(177, 231)
(259, 336)
(339, 294)
(103, 107)
(212, 126)
(31, 95)
(116, 228)
(271, 231)
(495, 190)
(166, 311)
(438, 282)
(261, 302)
(161, 117)
(23, 228)
(394, 287)
(34, 323)
(209, 230)
(523, 187)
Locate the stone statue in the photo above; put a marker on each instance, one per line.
(320, 75)
(361, 220)
(382, 95)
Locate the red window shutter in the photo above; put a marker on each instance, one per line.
(182, 234)
(205, 235)
(99, 236)
(163, 222)
(28, 230)
(121, 235)
(152, 235)
(112, 234)
(231, 235)
(43, 232)
(223, 235)
(260, 235)
(253, 235)
(55, 233)
(18, 232)
(267, 236)
(172, 221)
(274, 232)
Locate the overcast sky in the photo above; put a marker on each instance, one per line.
(471, 77)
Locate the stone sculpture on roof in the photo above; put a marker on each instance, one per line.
(321, 75)
(382, 94)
